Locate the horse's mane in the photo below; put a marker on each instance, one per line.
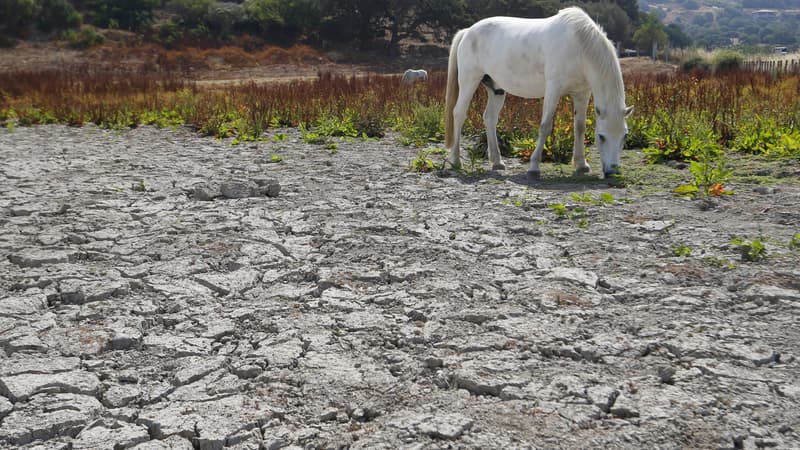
(596, 45)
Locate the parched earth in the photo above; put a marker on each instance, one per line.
(159, 290)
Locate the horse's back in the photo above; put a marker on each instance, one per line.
(522, 54)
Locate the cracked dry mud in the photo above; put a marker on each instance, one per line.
(364, 306)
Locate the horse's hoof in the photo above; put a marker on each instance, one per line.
(582, 170)
(534, 174)
(498, 166)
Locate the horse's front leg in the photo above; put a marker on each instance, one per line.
(546, 127)
(490, 118)
(579, 104)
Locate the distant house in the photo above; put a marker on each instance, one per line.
(780, 50)
(766, 14)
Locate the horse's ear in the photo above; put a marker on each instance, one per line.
(628, 111)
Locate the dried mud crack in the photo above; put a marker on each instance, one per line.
(163, 290)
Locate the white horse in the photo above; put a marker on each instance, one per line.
(411, 76)
(533, 58)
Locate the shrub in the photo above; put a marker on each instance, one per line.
(85, 38)
(679, 136)
(427, 125)
(17, 15)
(727, 60)
(637, 133)
(428, 160)
(751, 251)
(333, 125)
(764, 136)
(58, 15)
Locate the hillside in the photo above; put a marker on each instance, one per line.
(715, 23)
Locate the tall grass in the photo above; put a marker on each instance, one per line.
(121, 98)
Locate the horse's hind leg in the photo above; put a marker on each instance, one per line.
(579, 104)
(548, 111)
(466, 88)
(490, 119)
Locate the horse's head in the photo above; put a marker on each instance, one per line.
(610, 132)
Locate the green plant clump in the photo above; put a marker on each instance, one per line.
(681, 250)
(428, 160)
(426, 126)
(764, 136)
(752, 251)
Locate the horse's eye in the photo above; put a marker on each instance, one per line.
(601, 137)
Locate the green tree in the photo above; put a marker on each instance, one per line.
(131, 15)
(352, 20)
(301, 18)
(650, 33)
(405, 18)
(265, 15)
(677, 38)
(612, 18)
(17, 15)
(191, 13)
(223, 16)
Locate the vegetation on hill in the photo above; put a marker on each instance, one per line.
(720, 23)
(364, 23)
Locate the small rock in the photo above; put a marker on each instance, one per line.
(118, 396)
(433, 362)
(5, 407)
(328, 415)
(205, 192)
(238, 189)
(766, 190)
(677, 165)
(23, 386)
(273, 443)
(170, 443)
(41, 257)
(666, 375)
(247, 371)
(450, 426)
(99, 435)
(574, 275)
(656, 226)
(268, 186)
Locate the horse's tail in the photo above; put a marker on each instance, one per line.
(451, 94)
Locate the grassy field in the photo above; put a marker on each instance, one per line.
(698, 118)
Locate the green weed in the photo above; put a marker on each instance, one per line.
(605, 198)
(709, 173)
(681, 250)
(679, 136)
(720, 263)
(339, 126)
(139, 187)
(426, 126)
(752, 250)
(312, 137)
(765, 136)
(428, 160)
(794, 243)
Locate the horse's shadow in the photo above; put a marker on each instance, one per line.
(551, 182)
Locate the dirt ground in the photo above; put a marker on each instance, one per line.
(160, 290)
(215, 70)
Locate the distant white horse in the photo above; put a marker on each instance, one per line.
(533, 58)
(411, 76)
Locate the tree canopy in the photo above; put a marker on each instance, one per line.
(362, 23)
